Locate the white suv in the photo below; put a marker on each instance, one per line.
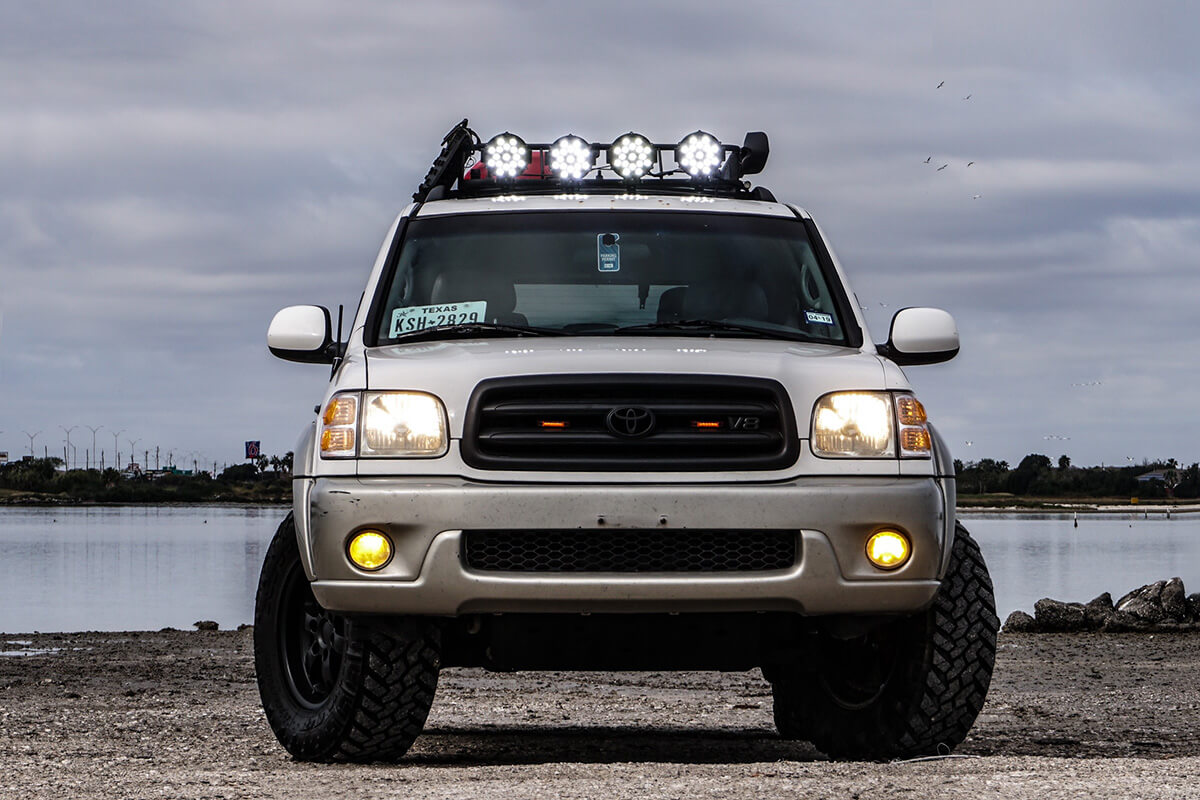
(609, 407)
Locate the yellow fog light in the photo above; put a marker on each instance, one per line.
(888, 549)
(370, 550)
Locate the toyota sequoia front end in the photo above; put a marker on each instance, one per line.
(619, 415)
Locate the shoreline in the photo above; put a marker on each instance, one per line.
(969, 505)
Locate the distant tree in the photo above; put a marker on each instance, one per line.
(1170, 480)
(988, 473)
(240, 473)
(1064, 462)
(1031, 468)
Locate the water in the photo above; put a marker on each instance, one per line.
(145, 568)
(132, 567)
(1045, 555)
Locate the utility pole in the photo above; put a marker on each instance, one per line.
(132, 444)
(31, 436)
(117, 452)
(156, 458)
(68, 431)
(93, 430)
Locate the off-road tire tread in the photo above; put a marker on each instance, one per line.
(944, 686)
(388, 679)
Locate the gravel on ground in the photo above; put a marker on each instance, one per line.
(176, 715)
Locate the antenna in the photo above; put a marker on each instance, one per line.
(339, 350)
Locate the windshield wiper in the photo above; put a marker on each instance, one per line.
(469, 329)
(702, 325)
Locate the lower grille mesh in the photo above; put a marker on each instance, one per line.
(629, 550)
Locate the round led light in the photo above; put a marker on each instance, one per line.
(699, 154)
(888, 549)
(370, 550)
(506, 155)
(570, 158)
(631, 156)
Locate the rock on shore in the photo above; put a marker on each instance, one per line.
(1159, 606)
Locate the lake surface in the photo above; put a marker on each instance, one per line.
(145, 568)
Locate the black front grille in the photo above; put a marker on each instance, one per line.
(630, 422)
(629, 550)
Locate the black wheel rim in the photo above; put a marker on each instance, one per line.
(312, 642)
(859, 671)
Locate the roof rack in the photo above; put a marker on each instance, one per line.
(468, 167)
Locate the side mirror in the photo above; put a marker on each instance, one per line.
(921, 336)
(304, 334)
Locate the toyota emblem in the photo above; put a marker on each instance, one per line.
(630, 421)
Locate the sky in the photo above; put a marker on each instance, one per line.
(171, 174)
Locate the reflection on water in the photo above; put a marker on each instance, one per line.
(144, 568)
(130, 568)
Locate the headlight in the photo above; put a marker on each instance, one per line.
(402, 424)
(871, 425)
(390, 424)
(853, 425)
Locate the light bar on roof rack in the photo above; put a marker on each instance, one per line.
(506, 163)
(570, 158)
(506, 155)
(631, 156)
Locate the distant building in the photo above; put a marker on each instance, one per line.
(1159, 475)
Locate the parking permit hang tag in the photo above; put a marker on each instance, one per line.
(608, 252)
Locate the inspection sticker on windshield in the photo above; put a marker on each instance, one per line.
(817, 316)
(419, 318)
(608, 252)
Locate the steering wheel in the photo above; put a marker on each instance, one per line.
(809, 288)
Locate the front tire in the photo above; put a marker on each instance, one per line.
(335, 687)
(909, 688)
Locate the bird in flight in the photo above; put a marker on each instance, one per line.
(969, 163)
(968, 97)
(940, 85)
(942, 167)
(927, 160)
(976, 196)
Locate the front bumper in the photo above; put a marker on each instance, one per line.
(426, 518)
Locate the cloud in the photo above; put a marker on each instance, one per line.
(175, 173)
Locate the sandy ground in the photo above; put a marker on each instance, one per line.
(176, 714)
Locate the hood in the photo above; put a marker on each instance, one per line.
(452, 369)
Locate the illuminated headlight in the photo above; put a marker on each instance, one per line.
(853, 425)
(403, 424)
(631, 156)
(699, 154)
(888, 549)
(506, 156)
(370, 550)
(570, 158)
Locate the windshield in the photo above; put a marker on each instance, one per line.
(609, 273)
